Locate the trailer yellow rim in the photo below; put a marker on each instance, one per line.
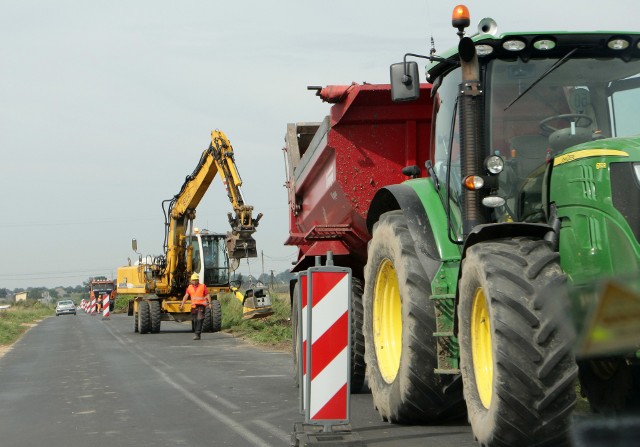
(387, 321)
(481, 348)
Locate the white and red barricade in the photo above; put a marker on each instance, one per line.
(92, 310)
(324, 341)
(105, 306)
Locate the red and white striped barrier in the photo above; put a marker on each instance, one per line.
(327, 362)
(93, 306)
(105, 306)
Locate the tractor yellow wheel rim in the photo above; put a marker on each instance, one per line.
(481, 348)
(387, 321)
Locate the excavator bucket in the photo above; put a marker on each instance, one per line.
(256, 304)
(241, 246)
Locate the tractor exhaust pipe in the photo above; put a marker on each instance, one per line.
(470, 107)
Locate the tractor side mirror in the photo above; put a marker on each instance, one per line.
(405, 81)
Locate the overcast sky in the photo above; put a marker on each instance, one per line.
(106, 106)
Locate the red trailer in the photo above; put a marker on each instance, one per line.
(335, 167)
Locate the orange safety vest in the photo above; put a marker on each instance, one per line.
(198, 294)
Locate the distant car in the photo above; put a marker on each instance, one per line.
(65, 307)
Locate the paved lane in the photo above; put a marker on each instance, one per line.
(84, 381)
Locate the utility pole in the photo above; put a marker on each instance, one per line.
(262, 255)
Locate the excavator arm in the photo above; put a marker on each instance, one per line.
(216, 159)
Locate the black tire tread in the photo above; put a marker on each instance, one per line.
(533, 358)
(156, 316)
(417, 395)
(144, 317)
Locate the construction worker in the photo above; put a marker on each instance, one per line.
(199, 299)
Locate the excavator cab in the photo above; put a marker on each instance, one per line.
(256, 301)
(210, 259)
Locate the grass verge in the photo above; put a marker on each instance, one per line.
(16, 320)
(271, 332)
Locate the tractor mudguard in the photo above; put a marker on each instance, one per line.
(416, 204)
(493, 231)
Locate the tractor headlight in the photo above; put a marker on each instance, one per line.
(494, 164)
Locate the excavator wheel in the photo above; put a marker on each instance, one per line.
(212, 317)
(144, 317)
(516, 341)
(156, 316)
(399, 323)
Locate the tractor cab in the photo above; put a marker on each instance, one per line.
(546, 98)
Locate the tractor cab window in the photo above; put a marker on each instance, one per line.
(534, 117)
(624, 100)
(447, 142)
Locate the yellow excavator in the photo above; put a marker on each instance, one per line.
(155, 285)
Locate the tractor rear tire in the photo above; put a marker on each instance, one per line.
(516, 339)
(135, 322)
(399, 326)
(156, 316)
(144, 317)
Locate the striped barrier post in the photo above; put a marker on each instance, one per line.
(328, 335)
(105, 307)
(93, 306)
(324, 349)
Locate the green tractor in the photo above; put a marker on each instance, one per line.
(533, 182)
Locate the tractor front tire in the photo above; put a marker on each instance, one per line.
(399, 326)
(516, 339)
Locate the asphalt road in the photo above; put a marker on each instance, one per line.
(84, 381)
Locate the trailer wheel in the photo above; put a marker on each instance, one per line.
(399, 323)
(144, 317)
(294, 333)
(516, 341)
(212, 317)
(358, 365)
(155, 315)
